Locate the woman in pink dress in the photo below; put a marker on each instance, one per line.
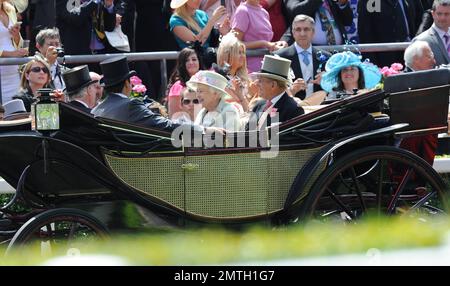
(188, 64)
(252, 26)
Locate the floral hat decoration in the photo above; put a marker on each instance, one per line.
(337, 62)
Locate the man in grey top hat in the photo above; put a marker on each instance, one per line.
(272, 82)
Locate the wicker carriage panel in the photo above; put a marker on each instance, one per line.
(282, 171)
(227, 186)
(242, 185)
(160, 177)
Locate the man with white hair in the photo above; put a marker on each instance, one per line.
(78, 88)
(419, 56)
(272, 83)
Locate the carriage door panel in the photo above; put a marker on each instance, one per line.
(227, 186)
(159, 177)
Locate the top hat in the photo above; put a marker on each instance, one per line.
(337, 62)
(115, 71)
(275, 67)
(77, 78)
(15, 109)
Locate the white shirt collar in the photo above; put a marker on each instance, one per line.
(82, 103)
(440, 31)
(276, 98)
(300, 49)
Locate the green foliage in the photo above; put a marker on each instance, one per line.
(206, 246)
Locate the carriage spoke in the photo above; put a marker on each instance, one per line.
(399, 190)
(357, 189)
(380, 186)
(340, 204)
(73, 228)
(422, 201)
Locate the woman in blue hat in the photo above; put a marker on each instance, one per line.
(345, 75)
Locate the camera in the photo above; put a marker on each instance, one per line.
(60, 52)
(45, 94)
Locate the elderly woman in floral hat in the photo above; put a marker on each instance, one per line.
(344, 75)
(216, 112)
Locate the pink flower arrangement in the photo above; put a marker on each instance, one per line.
(137, 88)
(395, 68)
(135, 80)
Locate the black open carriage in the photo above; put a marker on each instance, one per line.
(338, 162)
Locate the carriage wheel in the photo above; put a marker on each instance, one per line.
(58, 228)
(376, 180)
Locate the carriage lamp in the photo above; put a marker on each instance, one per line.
(45, 112)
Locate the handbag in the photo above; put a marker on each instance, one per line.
(118, 39)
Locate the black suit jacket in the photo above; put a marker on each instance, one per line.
(379, 27)
(287, 108)
(75, 26)
(290, 53)
(119, 107)
(78, 105)
(343, 17)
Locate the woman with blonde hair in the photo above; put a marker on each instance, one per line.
(35, 75)
(10, 43)
(189, 24)
(231, 57)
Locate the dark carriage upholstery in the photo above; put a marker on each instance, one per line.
(420, 99)
(91, 132)
(341, 118)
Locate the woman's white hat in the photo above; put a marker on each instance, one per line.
(174, 4)
(211, 79)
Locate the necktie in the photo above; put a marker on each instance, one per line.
(327, 26)
(305, 55)
(262, 121)
(446, 44)
(268, 104)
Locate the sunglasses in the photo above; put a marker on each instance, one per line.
(38, 69)
(188, 101)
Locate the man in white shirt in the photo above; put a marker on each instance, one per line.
(307, 62)
(272, 82)
(331, 17)
(47, 43)
(438, 36)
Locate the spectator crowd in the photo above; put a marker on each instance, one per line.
(215, 84)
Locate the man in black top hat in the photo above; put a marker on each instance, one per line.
(117, 105)
(79, 88)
